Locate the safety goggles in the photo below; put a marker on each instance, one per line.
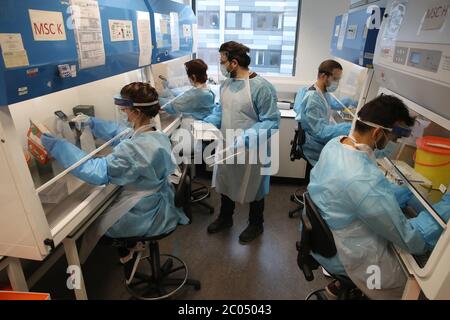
(397, 131)
(127, 103)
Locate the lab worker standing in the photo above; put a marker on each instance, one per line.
(363, 209)
(314, 106)
(196, 103)
(248, 103)
(141, 162)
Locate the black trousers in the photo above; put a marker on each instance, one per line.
(256, 216)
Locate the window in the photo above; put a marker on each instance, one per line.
(231, 20)
(275, 58)
(261, 21)
(214, 20)
(269, 21)
(271, 36)
(246, 21)
(259, 58)
(209, 20)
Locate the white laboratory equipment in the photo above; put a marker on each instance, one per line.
(412, 62)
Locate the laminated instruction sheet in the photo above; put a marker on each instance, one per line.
(13, 51)
(145, 38)
(88, 33)
(162, 30)
(175, 31)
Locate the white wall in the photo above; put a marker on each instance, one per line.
(316, 25)
(99, 93)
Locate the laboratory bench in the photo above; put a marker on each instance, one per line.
(69, 217)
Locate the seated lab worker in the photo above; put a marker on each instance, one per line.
(141, 162)
(195, 104)
(313, 106)
(248, 106)
(363, 208)
(198, 102)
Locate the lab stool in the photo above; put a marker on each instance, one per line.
(200, 191)
(348, 291)
(158, 283)
(297, 198)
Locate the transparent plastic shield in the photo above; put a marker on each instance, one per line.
(424, 158)
(352, 82)
(171, 79)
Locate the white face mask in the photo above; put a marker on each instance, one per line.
(123, 119)
(225, 72)
(333, 86)
(364, 148)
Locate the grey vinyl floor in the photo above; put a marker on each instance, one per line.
(263, 270)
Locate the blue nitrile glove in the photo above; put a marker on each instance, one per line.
(48, 141)
(349, 102)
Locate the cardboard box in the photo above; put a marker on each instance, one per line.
(34, 142)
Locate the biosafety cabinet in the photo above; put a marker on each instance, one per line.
(412, 62)
(59, 59)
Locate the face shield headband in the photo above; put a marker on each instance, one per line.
(400, 132)
(127, 103)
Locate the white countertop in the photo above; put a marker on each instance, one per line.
(288, 114)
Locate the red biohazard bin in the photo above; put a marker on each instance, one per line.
(11, 295)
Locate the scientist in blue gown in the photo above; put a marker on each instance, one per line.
(248, 103)
(198, 101)
(314, 106)
(141, 162)
(363, 209)
(195, 104)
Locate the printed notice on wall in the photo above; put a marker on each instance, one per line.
(194, 38)
(187, 33)
(175, 31)
(352, 32)
(121, 30)
(145, 38)
(13, 51)
(162, 30)
(47, 25)
(88, 33)
(342, 32)
(436, 15)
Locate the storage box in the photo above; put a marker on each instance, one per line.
(34, 143)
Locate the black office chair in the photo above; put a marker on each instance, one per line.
(316, 237)
(297, 154)
(158, 285)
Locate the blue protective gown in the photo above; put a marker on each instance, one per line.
(197, 103)
(145, 163)
(334, 104)
(363, 210)
(314, 115)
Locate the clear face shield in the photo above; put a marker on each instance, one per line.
(393, 134)
(125, 109)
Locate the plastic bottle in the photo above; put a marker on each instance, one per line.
(87, 142)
